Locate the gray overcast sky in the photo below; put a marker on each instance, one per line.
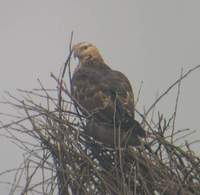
(148, 41)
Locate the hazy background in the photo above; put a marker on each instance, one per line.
(148, 41)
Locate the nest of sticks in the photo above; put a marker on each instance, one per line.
(60, 158)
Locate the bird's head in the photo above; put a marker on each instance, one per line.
(87, 53)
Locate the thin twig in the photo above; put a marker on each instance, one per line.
(170, 87)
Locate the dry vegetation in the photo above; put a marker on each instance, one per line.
(61, 159)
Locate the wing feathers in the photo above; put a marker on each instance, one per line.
(105, 94)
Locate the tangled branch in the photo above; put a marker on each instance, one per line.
(59, 157)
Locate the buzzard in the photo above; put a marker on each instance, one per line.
(105, 98)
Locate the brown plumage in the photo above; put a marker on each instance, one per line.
(107, 98)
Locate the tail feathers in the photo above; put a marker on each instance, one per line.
(106, 134)
(138, 130)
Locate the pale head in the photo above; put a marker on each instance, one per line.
(87, 53)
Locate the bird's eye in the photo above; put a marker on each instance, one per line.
(85, 47)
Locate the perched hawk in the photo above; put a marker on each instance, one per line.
(106, 99)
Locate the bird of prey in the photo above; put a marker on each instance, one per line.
(106, 99)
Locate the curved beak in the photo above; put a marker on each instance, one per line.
(75, 49)
(75, 53)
